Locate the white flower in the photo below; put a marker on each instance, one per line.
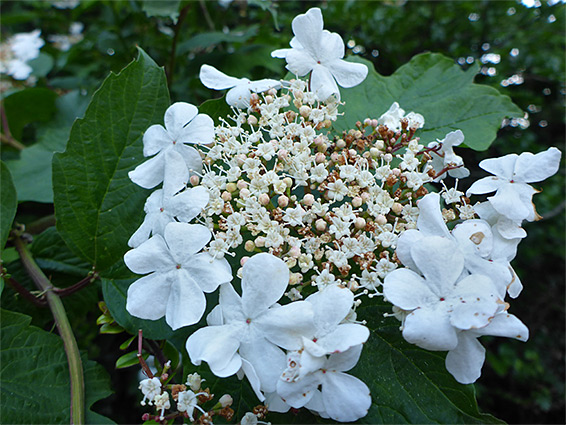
(466, 360)
(513, 196)
(162, 403)
(179, 275)
(240, 88)
(441, 302)
(182, 126)
(342, 397)
(317, 50)
(445, 156)
(187, 401)
(337, 190)
(194, 381)
(254, 326)
(17, 51)
(392, 118)
(150, 388)
(163, 205)
(294, 216)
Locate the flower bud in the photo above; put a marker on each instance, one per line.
(305, 111)
(388, 157)
(272, 92)
(226, 196)
(264, 199)
(243, 260)
(320, 225)
(226, 400)
(194, 180)
(379, 144)
(308, 199)
(260, 241)
(360, 223)
(397, 208)
(295, 251)
(241, 184)
(288, 181)
(374, 152)
(252, 120)
(374, 123)
(396, 172)
(298, 103)
(249, 246)
(268, 99)
(367, 122)
(319, 158)
(244, 193)
(194, 381)
(340, 144)
(381, 219)
(357, 202)
(231, 187)
(283, 201)
(365, 196)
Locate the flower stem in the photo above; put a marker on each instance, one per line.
(65, 331)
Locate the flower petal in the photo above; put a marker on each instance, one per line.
(432, 255)
(275, 403)
(186, 302)
(285, 325)
(502, 167)
(239, 96)
(263, 85)
(264, 281)
(216, 345)
(268, 360)
(404, 245)
(466, 360)
(300, 62)
(308, 30)
(177, 116)
(192, 158)
(323, 84)
(347, 74)
(199, 130)
(343, 362)
(147, 297)
(155, 139)
(330, 305)
(176, 174)
(149, 173)
(345, 336)
(531, 168)
(406, 289)
(215, 79)
(514, 201)
(507, 325)
(208, 272)
(475, 302)
(253, 379)
(345, 397)
(298, 393)
(331, 48)
(430, 221)
(152, 255)
(231, 304)
(185, 240)
(189, 203)
(485, 185)
(430, 328)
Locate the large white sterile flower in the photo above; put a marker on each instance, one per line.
(17, 51)
(240, 88)
(512, 173)
(320, 51)
(254, 326)
(474, 239)
(163, 205)
(183, 124)
(441, 301)
(466, 360)
(342, 397)
(445, 156)
(179, 275)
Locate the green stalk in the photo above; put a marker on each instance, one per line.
(65, 331)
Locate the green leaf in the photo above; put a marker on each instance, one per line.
(162, 8)
(8, 204)
(42, 65)
(114, 292)
(27, 106)
(433, 86)
(51, 253)
(97, 207)
(215, 108)
(34, 377)
(129, 359)
(408, 384)
(32, 172)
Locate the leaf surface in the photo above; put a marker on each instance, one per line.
(97, 207)
(8, 204)
(34, 376)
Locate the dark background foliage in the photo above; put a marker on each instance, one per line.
(521, 53)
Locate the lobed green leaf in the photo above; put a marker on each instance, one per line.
(8, 204)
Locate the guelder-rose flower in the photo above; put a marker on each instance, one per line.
(183, 124)
(445, 156)
(440, 301)
(320, 51)
(240, 88)
(512, 173)
(254, 326)
(179, 275)
(392, 118)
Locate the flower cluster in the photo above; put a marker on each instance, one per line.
(17, 51)
(314, 222)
